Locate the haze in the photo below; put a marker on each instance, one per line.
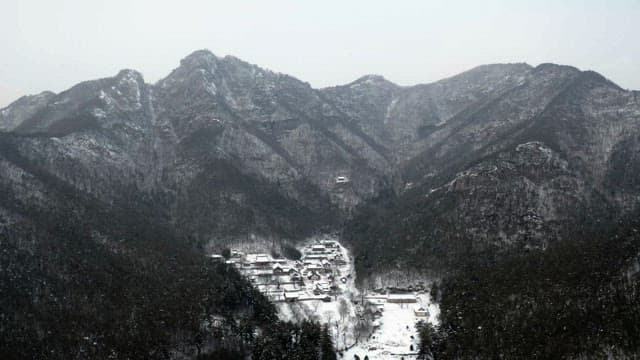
(52, 45)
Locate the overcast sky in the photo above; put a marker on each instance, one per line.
(53, 44)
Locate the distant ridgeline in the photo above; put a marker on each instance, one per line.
(111, 192)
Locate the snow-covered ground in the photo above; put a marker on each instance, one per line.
(340, 313)
(361, 324)
(395, 331)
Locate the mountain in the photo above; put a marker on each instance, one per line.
(506, 154)
(521, 167)
(521, 208)
(117, 179)
(403, 117)
(267, 143)
(21, 109)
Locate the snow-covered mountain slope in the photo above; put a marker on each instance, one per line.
(22, 109)
(421, 179)
(224, 149)
(535, 165)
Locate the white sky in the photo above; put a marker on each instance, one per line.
(54, 44)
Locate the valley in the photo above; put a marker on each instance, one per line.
(513, 188)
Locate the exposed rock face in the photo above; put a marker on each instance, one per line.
(220, 149)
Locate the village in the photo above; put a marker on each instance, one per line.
(316, 276)
(320, 286)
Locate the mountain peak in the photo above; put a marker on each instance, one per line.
(583, 77)
(550, 65)
(234, 59)
(199, 58)
(496, 69)
(371, 79)
(555, 68)
(26, 98)
(130, 74)
(594, 77)
(23, 108)
(202, 53)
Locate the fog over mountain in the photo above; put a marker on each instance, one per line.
(113, 191)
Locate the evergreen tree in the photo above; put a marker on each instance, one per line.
(425, 336)
(326, 345)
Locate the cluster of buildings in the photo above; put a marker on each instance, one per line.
(318, 275)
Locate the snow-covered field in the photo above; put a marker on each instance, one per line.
(395, 334)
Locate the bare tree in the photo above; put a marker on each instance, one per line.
(343, 309)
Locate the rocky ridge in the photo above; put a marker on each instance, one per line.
(223, 149)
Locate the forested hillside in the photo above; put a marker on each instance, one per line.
(576, 299)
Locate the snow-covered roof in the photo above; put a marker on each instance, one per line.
(236, 252)
(401, 296)
(258, 258)
(317, 256)
(404, 298)
(262, 272)
(289, 287)
(292, 295)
